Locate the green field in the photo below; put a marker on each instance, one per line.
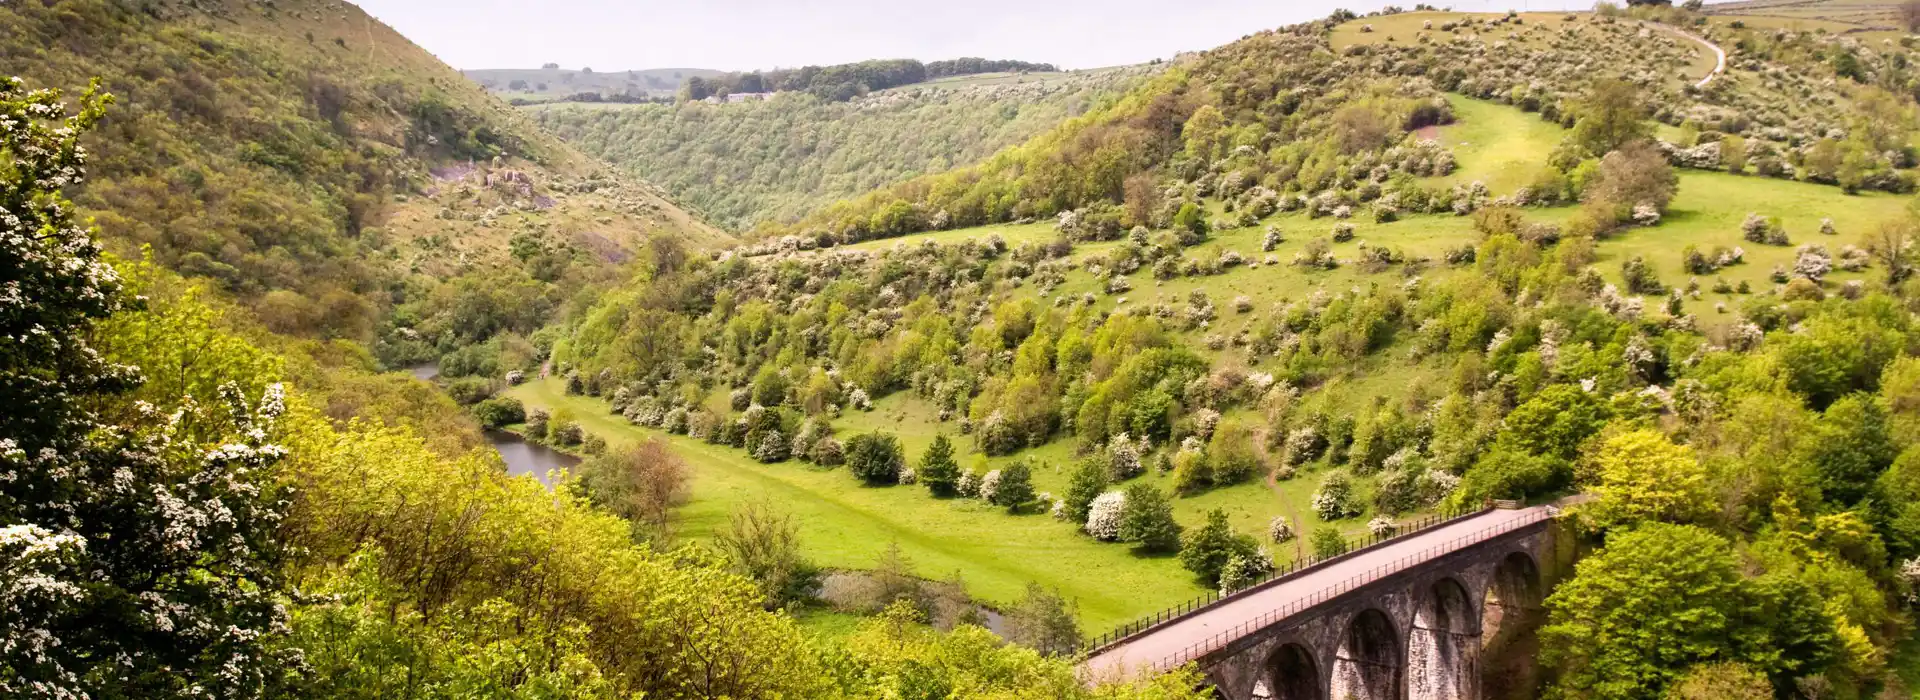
(1496, 144)
(846, 525)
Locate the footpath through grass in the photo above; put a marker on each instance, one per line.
(847, 525)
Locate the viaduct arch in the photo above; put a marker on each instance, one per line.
(1410, 618)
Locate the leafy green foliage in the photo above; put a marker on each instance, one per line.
(1015, 488)
(641, 483)
(1642, 477)
(1089, 481)
(1327, 542)
(763, 544)
(1206, 550)
(1656, 600)
(149, 541)
(1044, 621)
(1554, 422)
(937, 469)
(875, 458)
(1147, 519)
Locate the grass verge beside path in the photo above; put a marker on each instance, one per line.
(846, 525)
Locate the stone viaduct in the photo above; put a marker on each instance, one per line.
(1409, 618)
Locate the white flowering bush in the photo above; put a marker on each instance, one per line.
(1123, 458)
(1335, 498)
(1204, 422)
(1244, 569)
(859, 400)
(908, 477)
(146, 548)
(1280, 530)
(1812, 262)
(1103, 516)
(989, 486)
(771, 448)
(674, 421)
(968, 486)
(1853, 259)
(1646, 215)
(1434, 485)
(1303, 445)
(1382, 526)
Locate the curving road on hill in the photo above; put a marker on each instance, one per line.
(1190, 637)
(1720, 55)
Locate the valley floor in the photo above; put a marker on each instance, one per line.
(845, 525)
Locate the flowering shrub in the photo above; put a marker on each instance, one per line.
(1279, 530)
(1244, 569)
(772, 447)
(1123, 458)
(1434, 485)
(1103, 516)
(1853, 259)
(1303, 445)
(1812, 262)
(1335, 499)
(1382, 526)
(828, 452)
(989, 486)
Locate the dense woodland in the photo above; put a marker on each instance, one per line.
(839, 83)
(221, 222)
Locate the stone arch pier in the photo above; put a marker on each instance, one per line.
(1411, 618)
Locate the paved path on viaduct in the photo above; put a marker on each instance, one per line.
(1245, 614)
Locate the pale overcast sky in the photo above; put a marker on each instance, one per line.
(757, 34)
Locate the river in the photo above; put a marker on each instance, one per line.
(524, 457)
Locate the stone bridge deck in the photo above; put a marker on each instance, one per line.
(1283, 600)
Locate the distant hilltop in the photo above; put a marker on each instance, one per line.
(551, 83)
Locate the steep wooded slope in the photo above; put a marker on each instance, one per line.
(776, 160)
(314, 163)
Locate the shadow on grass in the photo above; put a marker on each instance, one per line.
(1139, 552)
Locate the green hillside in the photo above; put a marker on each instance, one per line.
(1006, 360)
(772, 161)
(1337, 276)
(322, 169)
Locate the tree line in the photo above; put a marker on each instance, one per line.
(846, 81)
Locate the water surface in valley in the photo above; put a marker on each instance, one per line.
(531, 458)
